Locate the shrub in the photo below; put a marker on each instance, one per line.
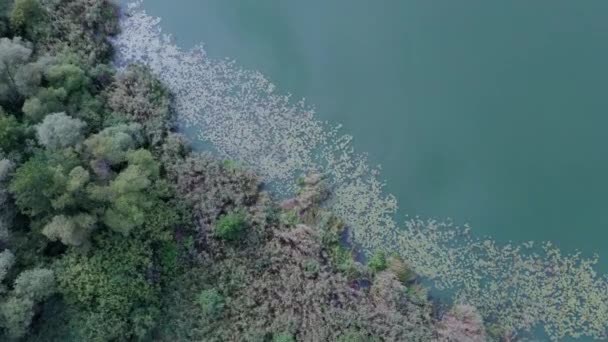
(378, 262)
(230, 226)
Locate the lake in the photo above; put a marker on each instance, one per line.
(492, 114)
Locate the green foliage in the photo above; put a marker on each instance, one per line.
(40, 185)
(71, 231)
(128, 196)
(11, 133)
(232, 165)
(60, 131)
(289, 217)
(283, 337)
(36, 284)
(7, 260)
(343, 260)
(5, 7)
(378, 262)
(47, 100)
(113, 143)
(111, 286)
(26, 16)
(67, 76)
(16, 314)
(211, 303)
(33, 186)
(19, 307)
(7, 210)
(67, 89)
(230, 226)
(14, 54)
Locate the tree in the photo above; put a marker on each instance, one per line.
(37, 284)
(40, 185)
(32, 184)
(26, 16)
(60, 131)
(47, 100)
(18, 308)
(7, 212)
(14, 54)
(378, 262)
(71, 231)
(7, 260)
(5, 7)
(67, 76)
(230, 226)
(211, 303)
(113, 143)
(11, 133)
(67, 88)
(127, 192)
(111, 286)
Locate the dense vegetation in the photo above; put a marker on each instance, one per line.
(111, 229)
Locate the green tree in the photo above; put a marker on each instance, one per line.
(230, 226)
(378, 262)
(113, 143)
(33, 185)
(26, 17)
(7, 210)
(59, 131)
(7, 260)
(111, 286)
(39, 186)
(5, 8)
(211, 303)
(19, 307)
(71, 231)
(47, 100)
(14, 54)
(11, 133)
(37, 284)
(128, 193)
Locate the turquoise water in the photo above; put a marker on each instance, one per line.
(486, 113)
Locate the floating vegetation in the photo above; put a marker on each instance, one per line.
(240, 114)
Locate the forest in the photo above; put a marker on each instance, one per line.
(113, 229)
